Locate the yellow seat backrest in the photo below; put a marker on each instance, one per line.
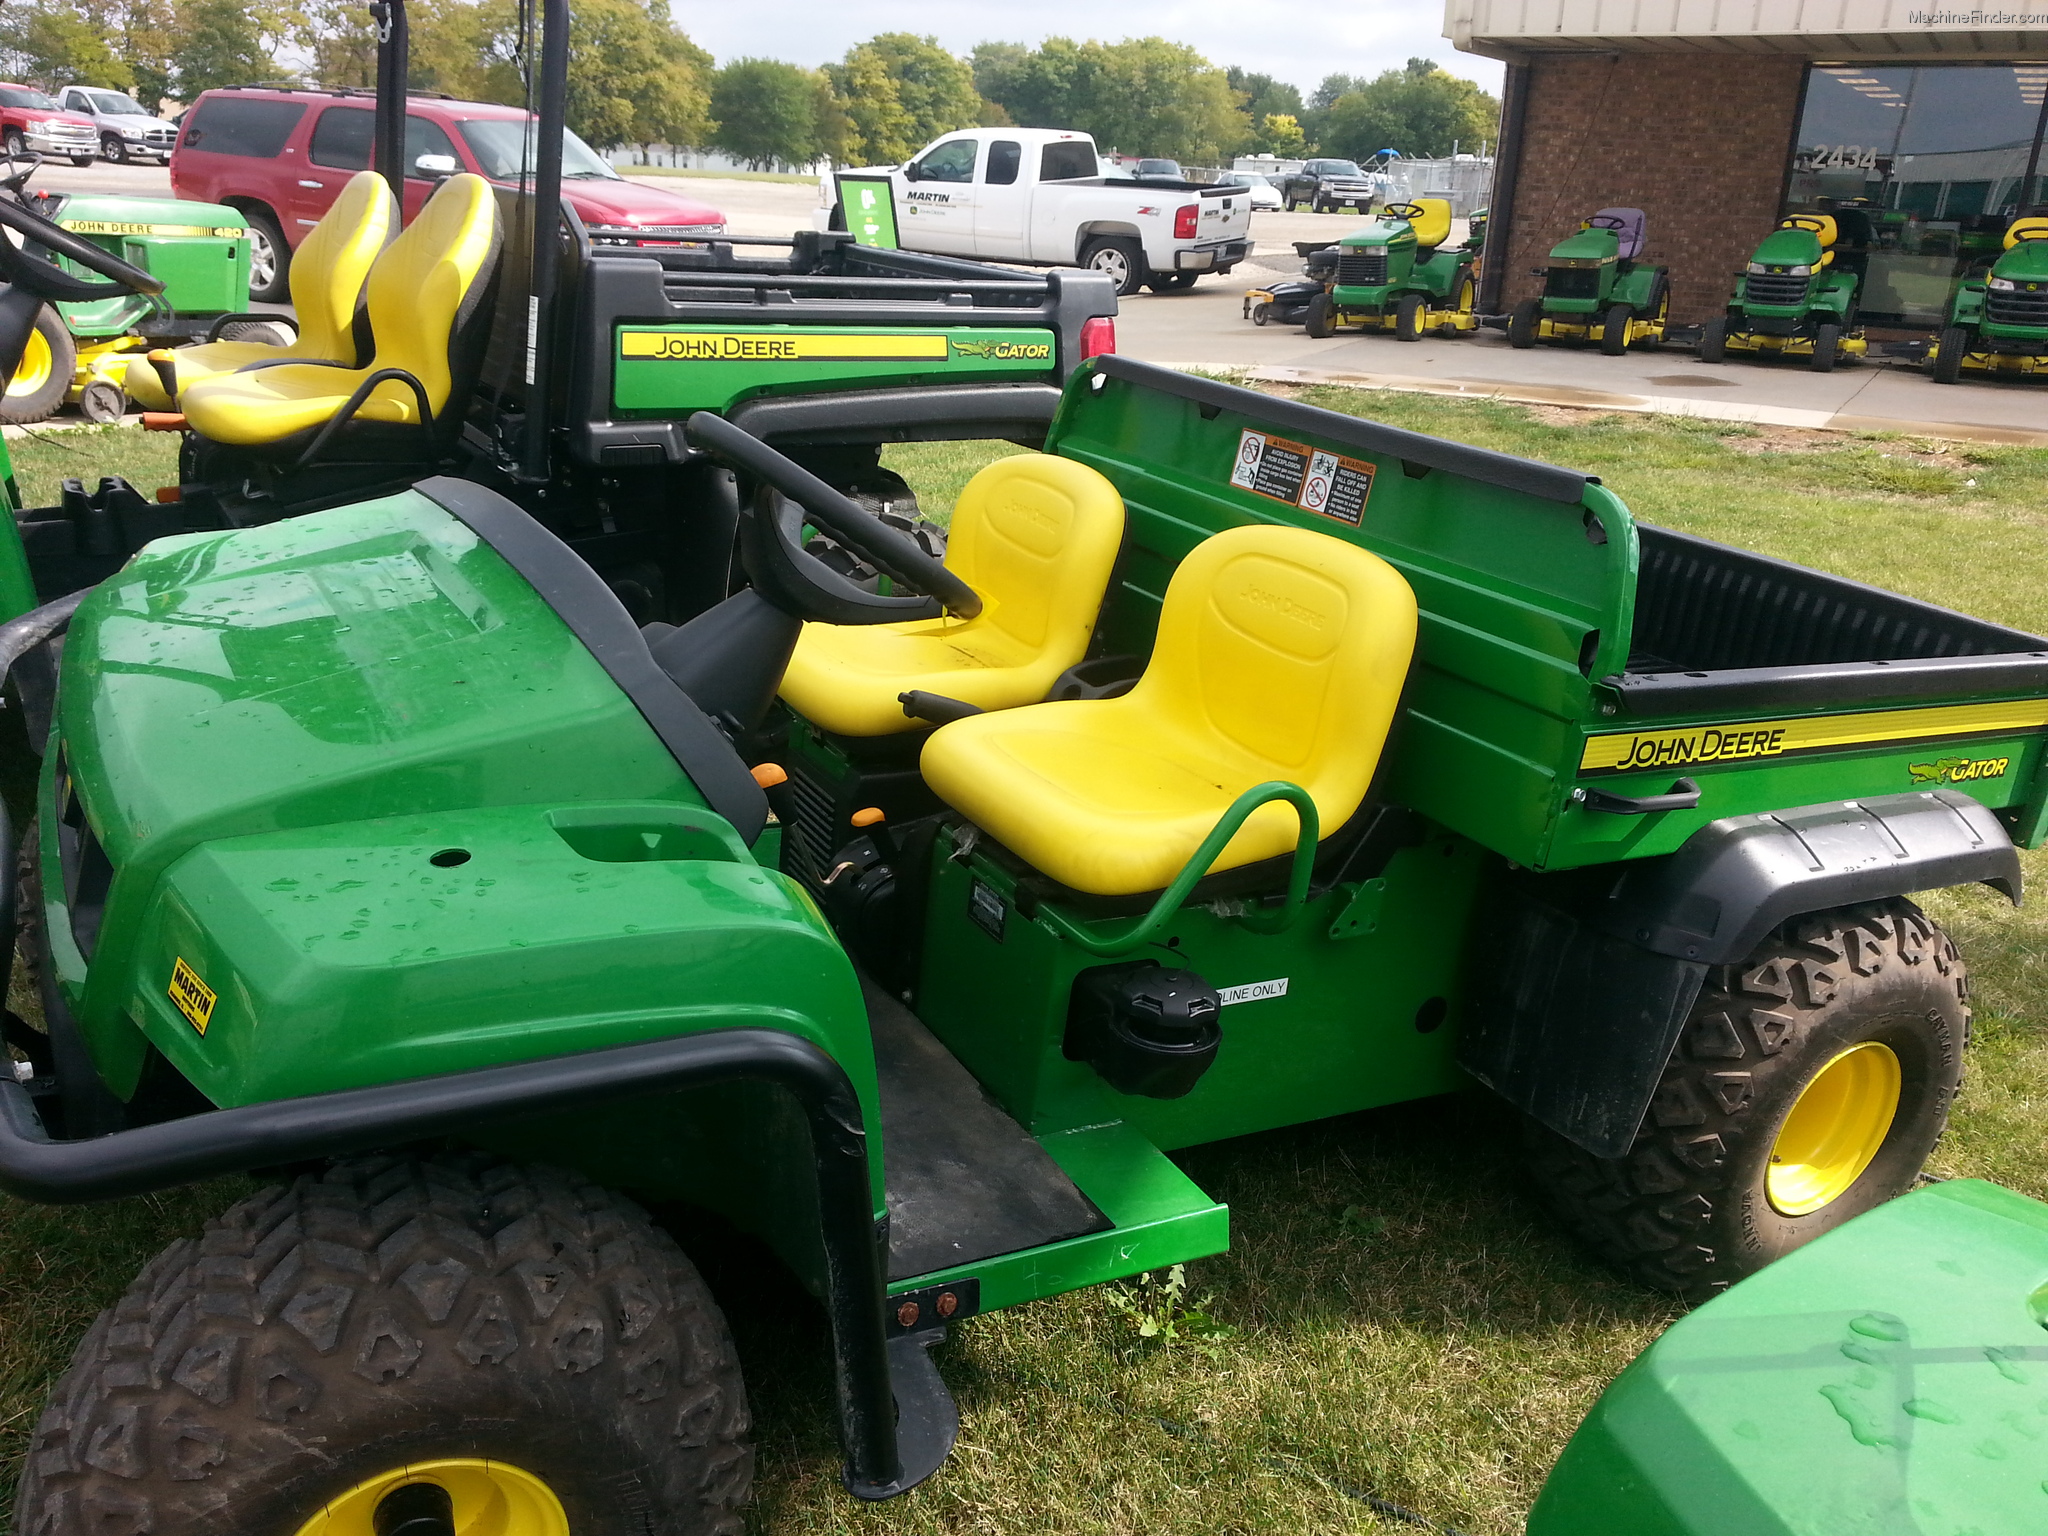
(329, 268)
(1036, 536)
(430, 278)
(1288, 649)
(2033, 227)
(1432, 225)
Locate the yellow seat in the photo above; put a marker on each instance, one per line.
(1432, 225)
(1281, 655)
(422, 289)
(2033, 227)
(327, 276)
(1036, 537)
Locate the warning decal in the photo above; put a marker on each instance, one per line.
(193, 997)
(1313, 479)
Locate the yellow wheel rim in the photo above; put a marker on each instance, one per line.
(34, 371)
(489, 1498)
(1835, 1128)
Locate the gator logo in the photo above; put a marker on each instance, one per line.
(1958, 770)
(993, 350)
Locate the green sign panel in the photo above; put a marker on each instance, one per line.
(870, 204)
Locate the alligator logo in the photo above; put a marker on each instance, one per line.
(1957, 770)
(1037, 351)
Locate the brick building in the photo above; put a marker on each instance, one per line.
(1919, 128)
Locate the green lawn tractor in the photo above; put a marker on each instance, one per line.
(1791, 301)
(80, 351)
(1399, 275)
(1597, 289)
(1998, 324)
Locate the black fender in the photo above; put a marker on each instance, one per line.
(1588, 975)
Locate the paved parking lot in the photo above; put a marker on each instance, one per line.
(1204, 327)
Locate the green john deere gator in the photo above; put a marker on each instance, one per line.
(1791, 301)
(1242, 764)
(80, 350)
(1998, 323)
(1598, 288)
(1400, 275)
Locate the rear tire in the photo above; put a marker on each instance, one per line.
(270, 259)
(1701, 1200)
(1523, 322)
(1827, 349)
(390, 1312)
(1120, 260)
(1321, 319)
(1947, 367)
(1614, 329)
(44, 375)
(82, 161)
(1408, 316)
(1714, 340)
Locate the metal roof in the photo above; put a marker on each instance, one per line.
(1903, 30)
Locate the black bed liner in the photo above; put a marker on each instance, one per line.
(1721, 628)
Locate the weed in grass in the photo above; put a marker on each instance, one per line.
(1157, 1309)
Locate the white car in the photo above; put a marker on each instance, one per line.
(126, 131)
(1264, 194)
(1037, 196)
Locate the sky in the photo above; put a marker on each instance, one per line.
(1299, 41)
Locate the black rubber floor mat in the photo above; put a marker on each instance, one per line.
(965, 1181)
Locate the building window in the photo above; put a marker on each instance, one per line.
(1923, 167)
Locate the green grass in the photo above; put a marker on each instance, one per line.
(1398, 1320)
(676, 170)
(44, 459)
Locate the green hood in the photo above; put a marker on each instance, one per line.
(1790, 248)
(1390, 233)
(1588, 245)
(2026, 262)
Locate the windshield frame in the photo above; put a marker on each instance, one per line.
(579, 161)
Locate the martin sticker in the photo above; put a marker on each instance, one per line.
(192, 997)
(1253, 991)
(1313, 479)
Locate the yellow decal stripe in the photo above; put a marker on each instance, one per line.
(756, 347)
(115, 227)
(1748, 740)
(191, 996)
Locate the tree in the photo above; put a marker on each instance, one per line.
(58, 44)
(900, 92)
(1263, 96)
(767, 113)
(1144, 94)
(1281, 135)
(1326, 95)
(1420, 111)
(218, 42)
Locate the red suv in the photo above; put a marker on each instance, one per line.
(31, 120)
(282, 155)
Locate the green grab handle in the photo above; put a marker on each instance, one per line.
(1147, 927)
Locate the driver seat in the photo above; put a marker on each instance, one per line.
(1628, 238)
(425, 295)
(1035, 536)
(327, 276)
(1281, 655)
(1432, 225)
(2033, 227)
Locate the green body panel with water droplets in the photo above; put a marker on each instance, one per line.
(383, 803)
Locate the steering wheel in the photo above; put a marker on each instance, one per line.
(1811, 223)
(1409, 211)
(1607, 221)
(771, 542)
(48, 281)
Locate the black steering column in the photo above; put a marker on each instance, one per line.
(730, 659)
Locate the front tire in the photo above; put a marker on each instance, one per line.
(1523, 322)
(112, 149)
(1714, 340)
(1408, 317)
(1614, 329)
(1947, 367)
(1808, 1085)
(394, 1322)
(43, 377)
(270, 260)
(1120, 260)
(1827, 349)
(1321, 319)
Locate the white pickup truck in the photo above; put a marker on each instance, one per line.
(1037, 196)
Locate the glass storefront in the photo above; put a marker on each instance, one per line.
(1922, 167)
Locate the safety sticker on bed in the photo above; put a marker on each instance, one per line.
(1313, 479)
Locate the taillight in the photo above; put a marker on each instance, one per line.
(1097, 337)
(1184, 221)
